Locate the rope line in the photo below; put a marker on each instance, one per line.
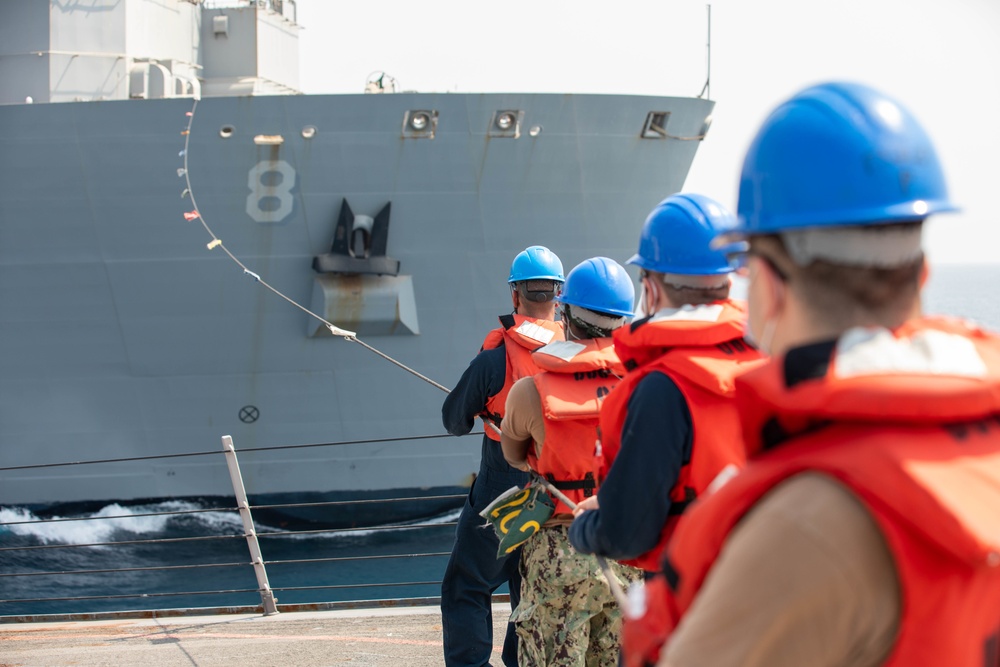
(286, 533)
(247, 449)
(350, 336)
(136, 595)
(122, 569)
(358, 502)
(337, 586)
(216, 242)
(341, 559)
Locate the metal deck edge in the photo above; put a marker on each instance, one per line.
(222, 611)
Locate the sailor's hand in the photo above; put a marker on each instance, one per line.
(586, 504)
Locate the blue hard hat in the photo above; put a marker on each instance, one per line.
(677, 237)
(536, 263)
(839, 154)
(599, 284)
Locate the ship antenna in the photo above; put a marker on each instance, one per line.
(707, 88)
(216, 242)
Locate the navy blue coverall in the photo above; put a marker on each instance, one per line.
(474, 571)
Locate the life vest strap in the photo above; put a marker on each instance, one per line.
(678, 507)
(588, 484)
(492, 416)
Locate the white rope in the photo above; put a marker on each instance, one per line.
(216, 242)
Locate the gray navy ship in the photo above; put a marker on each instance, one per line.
(391, 214)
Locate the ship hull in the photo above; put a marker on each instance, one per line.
(122, 335)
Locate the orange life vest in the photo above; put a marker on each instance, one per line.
(909, 421)
(520, 336)
(577, 376)
(701, 349)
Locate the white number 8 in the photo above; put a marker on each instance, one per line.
(261, 192)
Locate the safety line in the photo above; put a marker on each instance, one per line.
(347, 335)
(216, 452)
(216, 242)
(119, 542)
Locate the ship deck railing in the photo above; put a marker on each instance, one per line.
(267, 594)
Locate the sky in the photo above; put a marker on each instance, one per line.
(939, 58)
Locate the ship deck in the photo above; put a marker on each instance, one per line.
(356, 637)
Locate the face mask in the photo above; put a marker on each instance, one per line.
(748, 334)
(763, 343)
(566, 323)
(642, 309)
(766, 337)
(640, 302)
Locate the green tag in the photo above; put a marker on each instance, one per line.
(517, 514)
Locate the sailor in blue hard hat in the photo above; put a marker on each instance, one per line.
(676, 246)
(474, 571)
(598, 300)
(840, 174)
(535, 275)
(669, 428)
(552, 425)
(863, 529)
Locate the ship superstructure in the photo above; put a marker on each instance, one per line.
(392, 215)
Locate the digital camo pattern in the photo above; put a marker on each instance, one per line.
(567, 615)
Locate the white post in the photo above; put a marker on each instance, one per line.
(266, 595)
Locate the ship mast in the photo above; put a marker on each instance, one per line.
(707, 88)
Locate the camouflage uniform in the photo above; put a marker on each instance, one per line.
(567, 615)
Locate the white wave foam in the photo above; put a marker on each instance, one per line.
(447, 517)
(100, 527)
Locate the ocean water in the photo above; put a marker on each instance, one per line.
(966, 290)
(373, 564)
(361, 559)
